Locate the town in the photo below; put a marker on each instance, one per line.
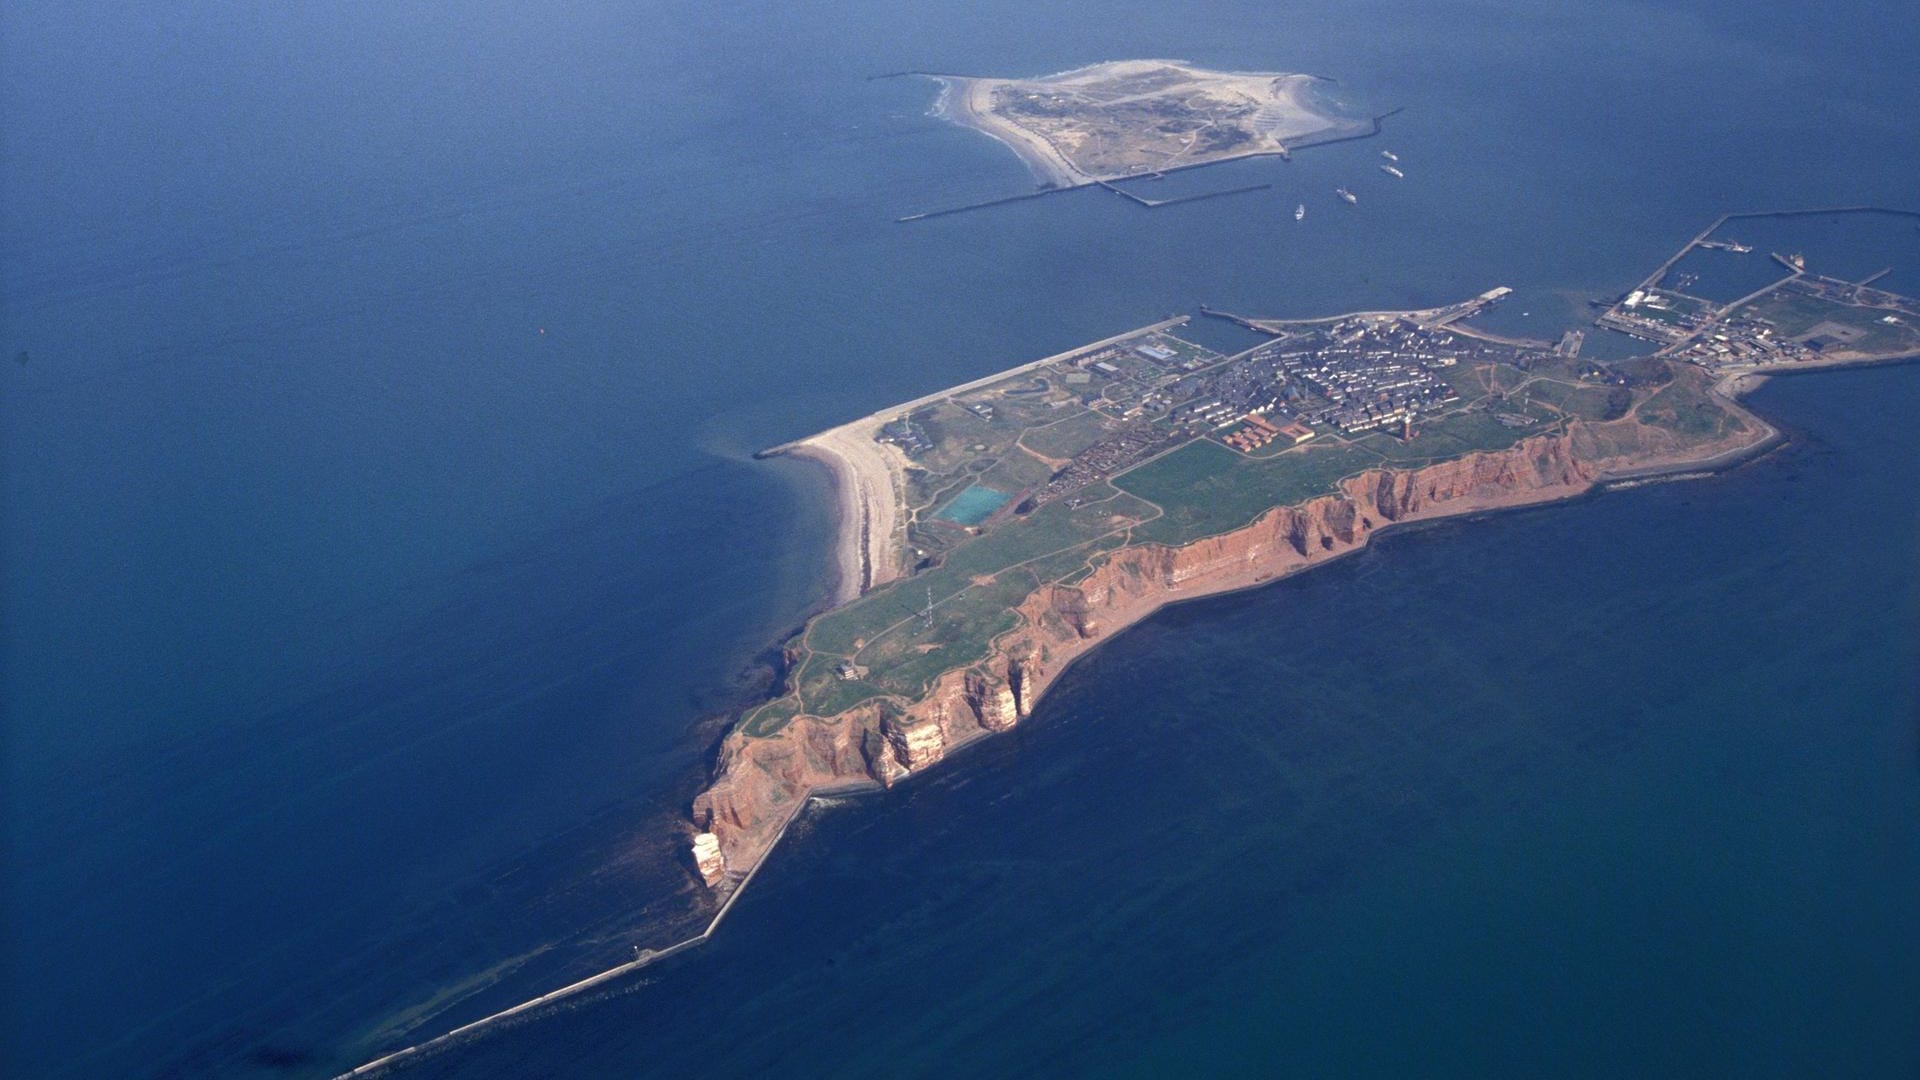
(1052, 431)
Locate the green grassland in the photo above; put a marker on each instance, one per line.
(1685, 407)
(973, 595)
(1016, 470)
(1586, 402)
(1204, 489)
(1459, 433)
(1467, 380)
(955, 432)
(1068, 436)
(1796, 314)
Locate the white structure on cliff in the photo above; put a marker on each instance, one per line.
(708, 859)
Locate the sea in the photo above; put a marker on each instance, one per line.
(382, 552)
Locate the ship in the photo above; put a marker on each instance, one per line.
(1351, 198)
(1300, 211)
(1390, 155)
(1393, 172)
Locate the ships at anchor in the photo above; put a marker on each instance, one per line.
(1393, 170)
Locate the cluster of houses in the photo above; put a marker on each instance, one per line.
(1259, 431)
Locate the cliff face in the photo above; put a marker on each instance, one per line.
(760, 783)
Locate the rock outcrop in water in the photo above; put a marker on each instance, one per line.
(761, 783)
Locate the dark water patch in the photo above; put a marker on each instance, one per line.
(1220, 335)
(1848, 246)
(1605, 346)
(1723, 276)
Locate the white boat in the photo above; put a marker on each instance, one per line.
(1300, 211)
(1393, 172)
(1390, 155)
(1352, 199)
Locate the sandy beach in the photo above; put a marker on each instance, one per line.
(1284, 114)
(869, 488)
(969, 102)
(870, 477)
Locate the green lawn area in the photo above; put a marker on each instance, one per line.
(1796, 313)
(1467, 380)
(771, 717)
(1585, 402)
(1015, 470)
(1206, 489)
(1793, 312)
(1457, 434)
(1067, 437)
(1054, 527)
(1683, 407)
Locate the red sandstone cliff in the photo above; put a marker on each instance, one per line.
(760, 783)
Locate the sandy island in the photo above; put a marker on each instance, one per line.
(1124, 118)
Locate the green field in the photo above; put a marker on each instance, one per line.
(1684, 407)
(1586, 402)
(1205, 489)
(1016, 469)
(1458, 433)
(1065, 438)
(973, 595)
(1797, 314)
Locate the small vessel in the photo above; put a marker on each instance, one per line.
(1300, 211)
(1352, 199)
(1393, 172)
(1390, 155)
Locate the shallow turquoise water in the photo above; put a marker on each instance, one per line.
(974, 505)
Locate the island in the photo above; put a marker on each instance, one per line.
(992, 533)
(1129, 118)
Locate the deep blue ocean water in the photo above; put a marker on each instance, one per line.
(380, 525)
(1629, 786)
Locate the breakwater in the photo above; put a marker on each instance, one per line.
(642, 959)
(1374, 127)
(990, 202)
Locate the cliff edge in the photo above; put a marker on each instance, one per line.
(761, 782)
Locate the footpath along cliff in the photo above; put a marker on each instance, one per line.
(760, 783)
